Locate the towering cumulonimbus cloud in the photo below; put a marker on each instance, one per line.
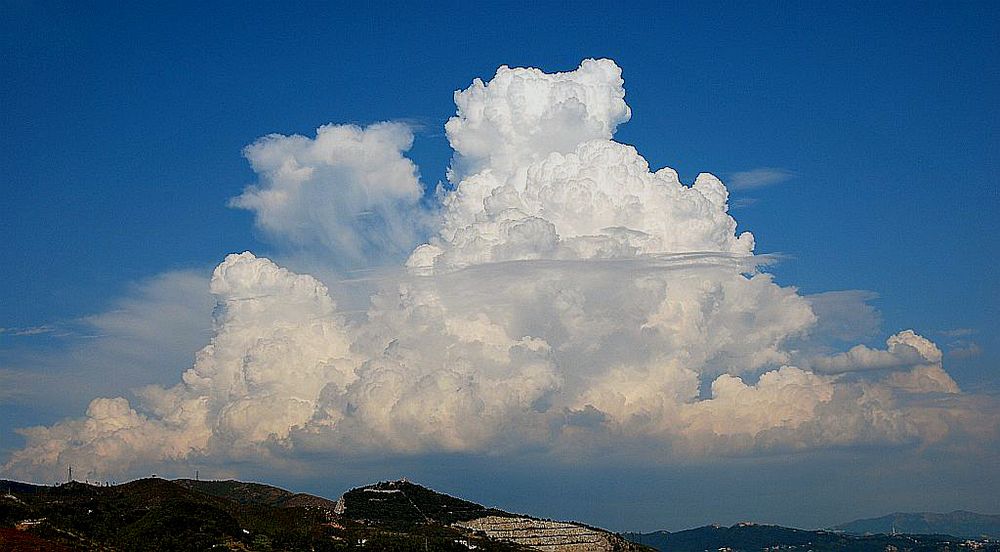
(542, 179)
(568, 297)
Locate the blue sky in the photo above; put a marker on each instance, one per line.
(871, 127)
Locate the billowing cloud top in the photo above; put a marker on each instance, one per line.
(541, 178)
(349, 192)
(569, 299)
(523, 114)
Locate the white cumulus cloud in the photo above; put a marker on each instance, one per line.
(569, 297)
(905, 349)
(350, 192)
(523, 114)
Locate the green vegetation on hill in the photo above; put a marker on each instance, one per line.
(257, 493)
(405, 504)
(143, 514)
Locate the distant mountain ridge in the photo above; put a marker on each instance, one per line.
(750, 536)
(959, 523)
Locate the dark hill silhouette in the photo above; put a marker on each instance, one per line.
(256, 493)
(404, 503)
(157, 514)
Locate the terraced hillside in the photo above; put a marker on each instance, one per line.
(401, 504)
(554, 536)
